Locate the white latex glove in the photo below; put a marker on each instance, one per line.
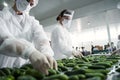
(77, 54)
(52, 61)
(42, 62)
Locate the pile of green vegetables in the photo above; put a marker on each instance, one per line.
(84, 68)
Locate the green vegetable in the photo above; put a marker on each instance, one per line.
(27, 77)
(2, 73)
(52, 72)
(10, 77)
(35, 74)
(85, 59)
(74, 77)
(75, 72)
(70, 64)
(94, 78)
(88, 75)
(58, 76)
(81, 76)
(27, 66)
(7, 71)
(97, 67)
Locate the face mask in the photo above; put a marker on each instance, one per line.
(66, 23)
(21, 5)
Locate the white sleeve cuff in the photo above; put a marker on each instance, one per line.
(27, 52)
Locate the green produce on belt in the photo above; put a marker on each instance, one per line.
(88, 75)
(7, 71)
(35, 74)
(94, 78)
(97, 67)
(18, 72)
(27, 66)
(81, 76)
(52, 72)
(107, 65)
(2, 73)
(85, 59)
(27, 77)
(75, 72)
(74, 77)
(58, 76)
(10, 77)
(62, 68)
(70, 64)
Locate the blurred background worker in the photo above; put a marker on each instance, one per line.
(21, 35)
(61, 40)
(118, 46)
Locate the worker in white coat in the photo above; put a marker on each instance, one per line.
(23, 38)
(61, 40)
(118, 47)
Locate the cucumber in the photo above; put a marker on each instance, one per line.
(81, 76)
(10, 77)
(27, 77)
(85, 59)
(18, 72)
(75, 72)
(76, 68)
(88, 75)
(70, 64)
(103, 71)
(27, 66)
(74, 77)
(87, 64)
(107, 65)
(7, 71)
(52, 72)
(58, 76)
(94, 78)
(2, 73)
(97, 67)
(62, 68)
(35, 74)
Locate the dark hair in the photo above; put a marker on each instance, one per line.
(65, 11)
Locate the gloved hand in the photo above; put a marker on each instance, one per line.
(77, 54)
(42, 62)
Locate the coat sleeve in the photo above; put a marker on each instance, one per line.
(40, 39)
(11, 46)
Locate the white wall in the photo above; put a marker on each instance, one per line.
(96, 32)
(87, 10)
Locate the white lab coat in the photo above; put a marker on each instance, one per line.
(61, 42)
(118, 45)
(23, 29)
